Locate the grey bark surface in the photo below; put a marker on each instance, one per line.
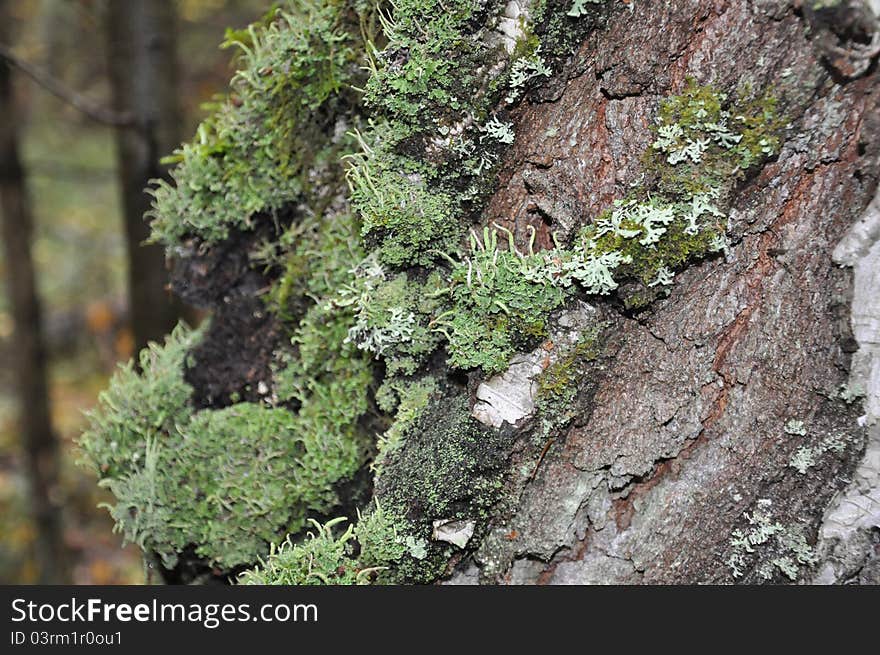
(682, 440)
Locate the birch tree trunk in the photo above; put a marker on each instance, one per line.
(722, 430)
(684, 436)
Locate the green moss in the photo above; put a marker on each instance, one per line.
(703, 146)
(406, 219)
(217, 484)
(407, 223)
(447, 467)
(657, 234)
(321, 559)
(424, 159)
(450, 472)
(558, 383)
(228, 481)
(139, 408)
(408, 399)
(253, 154)
(361, 554)
(316, 256)
(429, 64)
(562, 25)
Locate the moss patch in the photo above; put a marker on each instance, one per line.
(253, 154)
(228, 481)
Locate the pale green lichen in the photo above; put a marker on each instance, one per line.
(806, 457)
(770, 545)
(795, 427)
(579, 7)
(851, 392)
(524, 69)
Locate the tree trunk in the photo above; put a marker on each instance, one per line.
(142, 51)
(39, 442)
(721, 428)
(683, 436)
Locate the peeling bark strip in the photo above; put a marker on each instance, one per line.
(686, 434)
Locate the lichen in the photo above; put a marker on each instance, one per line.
(806, 457)
(769, 546)
(796, 427)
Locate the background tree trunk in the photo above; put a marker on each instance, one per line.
(38, 439)
(142, 51)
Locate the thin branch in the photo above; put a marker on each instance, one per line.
(57, 89)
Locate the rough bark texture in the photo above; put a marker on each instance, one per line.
(39, 442)
(685, 432)
(143, 72)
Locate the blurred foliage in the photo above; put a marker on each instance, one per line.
(80, 256)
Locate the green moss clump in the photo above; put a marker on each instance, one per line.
(426, 153)
(214, 483)
(407, 399)
(429, 65)
(139, 408)
(450, 467)
(447, 467)
(654, 237)
(327, 556)
(322, 559)
(497, 306)
(703, 146)
(403, 220)
(227, 481)
(252, 155)
(557, 384)
(562, 25)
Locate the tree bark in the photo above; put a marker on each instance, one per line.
(142, 51)
(682, 440)
(39, 442)
(726, 432)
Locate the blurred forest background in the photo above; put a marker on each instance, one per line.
(101, 90)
